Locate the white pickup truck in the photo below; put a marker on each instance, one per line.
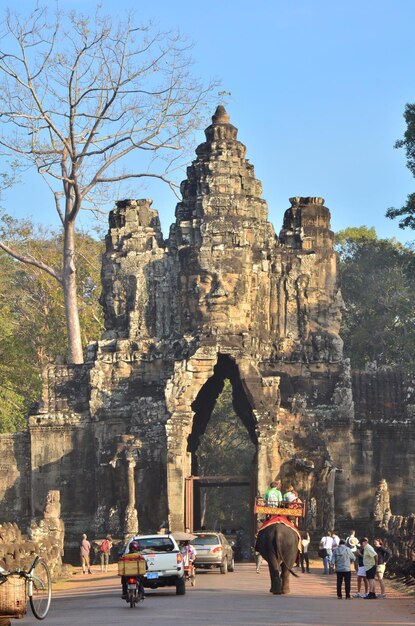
(165, 567)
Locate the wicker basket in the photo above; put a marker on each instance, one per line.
(13, 597)
(131, 565)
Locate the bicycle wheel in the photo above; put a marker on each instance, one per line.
(40, 589)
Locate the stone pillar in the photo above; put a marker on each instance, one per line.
(175, 484)
(127, 452)
(268, 461)
(131, 516)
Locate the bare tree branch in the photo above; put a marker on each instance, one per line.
(78, 97)
(30, 261)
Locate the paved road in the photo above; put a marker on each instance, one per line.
(239, 599)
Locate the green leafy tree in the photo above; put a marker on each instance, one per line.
(19, 379)
(88, 103)
(32, 323)
(407, 212)
(378, 287)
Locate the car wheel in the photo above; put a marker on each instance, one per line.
(180, 587)
(231, 565)
(224, 567)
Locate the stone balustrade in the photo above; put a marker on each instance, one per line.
(398, 535)
(45, 538)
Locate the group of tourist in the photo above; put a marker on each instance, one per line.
(369, 563)
(274, 497)
(104, 552)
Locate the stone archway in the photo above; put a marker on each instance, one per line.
(193, 392)
(223, 446)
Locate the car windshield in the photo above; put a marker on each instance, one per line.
(209, 540)
(156, 544)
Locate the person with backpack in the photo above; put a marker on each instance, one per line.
(383, 558)
(325, 550)
(105, 550)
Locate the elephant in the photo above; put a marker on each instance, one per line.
(278, 545)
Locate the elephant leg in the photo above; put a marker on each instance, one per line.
(285, 578)
(274, 573)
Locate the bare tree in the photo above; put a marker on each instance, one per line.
(78, 96)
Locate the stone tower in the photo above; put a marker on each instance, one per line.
(222, 297)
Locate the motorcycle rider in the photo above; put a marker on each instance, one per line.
(133, 547)
(188, 551)
(189, 554)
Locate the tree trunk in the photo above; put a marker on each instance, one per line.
(75, 353)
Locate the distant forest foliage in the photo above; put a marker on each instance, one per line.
(378, 287)
(32, 319)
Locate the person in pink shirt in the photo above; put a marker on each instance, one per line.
(85, 549)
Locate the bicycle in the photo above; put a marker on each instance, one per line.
(38, 586)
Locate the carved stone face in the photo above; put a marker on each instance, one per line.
(215, 295)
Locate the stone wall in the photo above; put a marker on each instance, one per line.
(383, 438)
(15, 487)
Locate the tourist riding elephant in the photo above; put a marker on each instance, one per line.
(278, 545)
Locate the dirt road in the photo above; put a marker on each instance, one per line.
(238, 599)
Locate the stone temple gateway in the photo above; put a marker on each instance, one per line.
(223, 297)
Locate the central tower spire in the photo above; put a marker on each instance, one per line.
(221, 181)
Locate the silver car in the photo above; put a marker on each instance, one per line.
(213, 550)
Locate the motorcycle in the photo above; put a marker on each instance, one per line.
(135, 590)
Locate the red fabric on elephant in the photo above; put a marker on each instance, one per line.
(280, 519)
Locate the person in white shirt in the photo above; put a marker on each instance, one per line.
(304, 558)
(326, 543)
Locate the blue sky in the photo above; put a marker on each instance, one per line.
(318, 89)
